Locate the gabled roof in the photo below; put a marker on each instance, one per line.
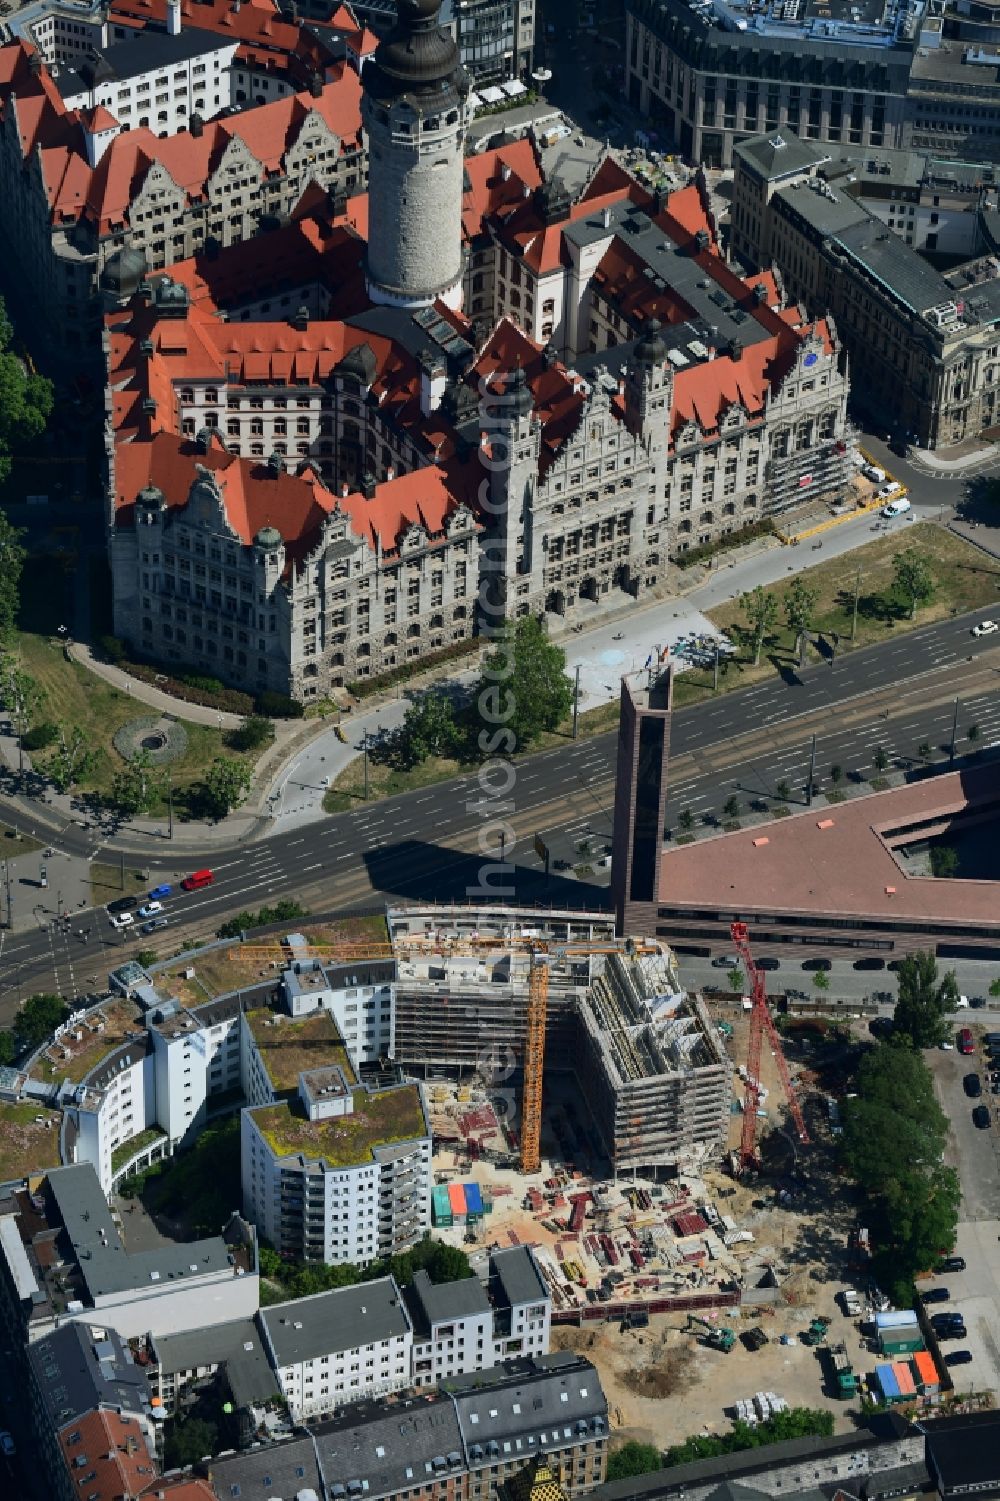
(104, 194)
(266, 38)
(111, 1451)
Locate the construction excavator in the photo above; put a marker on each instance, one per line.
(542, 953)
(716, 1338)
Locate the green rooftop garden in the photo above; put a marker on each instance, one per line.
(135, 1144)
(101, 1034)
(27, 1143)
(291, 1046)
(377, 1120)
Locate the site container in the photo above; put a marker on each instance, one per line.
(925, 1372)
(904, 1378)
(459, 1208)
(885, 1376)
(473, 1201)
(441, 1207)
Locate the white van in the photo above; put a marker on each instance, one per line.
(896, 507)
(873, 472)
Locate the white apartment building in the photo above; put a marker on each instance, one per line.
(339, 1347)
(361, 999)
(339, 1174)
(163, 1077)
(471, 1325)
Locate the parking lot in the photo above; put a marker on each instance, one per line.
(975, 1154)
(975, 1294)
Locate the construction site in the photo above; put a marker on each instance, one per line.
(567, 999)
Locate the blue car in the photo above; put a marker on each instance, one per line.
(158, 892)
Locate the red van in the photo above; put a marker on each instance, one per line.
(196, 881)
(965, 1042)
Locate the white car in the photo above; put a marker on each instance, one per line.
(121, 919)
(986, 628)
(150, 909)
(946, 1047)
(889, 489)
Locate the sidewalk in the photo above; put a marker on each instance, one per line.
(960, 458)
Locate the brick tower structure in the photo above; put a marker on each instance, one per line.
(640, 799)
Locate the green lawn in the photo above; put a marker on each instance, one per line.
(13, 844)
(27, 1143)
(74, 696)
(106, 882)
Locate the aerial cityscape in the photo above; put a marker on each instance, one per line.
(499, 750)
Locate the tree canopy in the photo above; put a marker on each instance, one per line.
(523, 688)
(924, 1004)
(25, 399)
(912, 578)
(761, 610)
(893, 1144)
(634, 1458)
(797, 1422)
(799, 602)
(12, 556)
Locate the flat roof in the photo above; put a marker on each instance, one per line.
(105, 1265)
(236, 1345)
(964, 1452)
(518, 1275)
(290, 1046)
(837, 860)
(379, 1119)
(431, 1303)
(342, 1319)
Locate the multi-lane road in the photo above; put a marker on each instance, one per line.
(426, 844)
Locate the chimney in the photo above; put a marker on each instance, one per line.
(203, 439)
(368, 485)
(760, 294)
(702, 239)
(390, 474)
(433, 380)
(712, 351)
(173, 17)
(345, 490)
(196, 125)
(35, 62)
(301, 319)
(504, 172)
(606, 218)
(316, 85)
(735, 349)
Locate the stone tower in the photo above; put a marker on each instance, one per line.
(415, 110)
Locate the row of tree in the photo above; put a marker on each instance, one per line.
(301, 1279)
(895, 1134)
(912, 582)
(522, 693)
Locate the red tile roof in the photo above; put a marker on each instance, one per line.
(498, 181)
(117, 1461)
(103, 195)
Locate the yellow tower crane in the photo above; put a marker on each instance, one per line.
(542, 952)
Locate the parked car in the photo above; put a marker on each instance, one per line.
(981, 1118)
(958, 1357)
(937, 1295)
(954, 1331)
(121, 919)
(872, 963)
(946, 1320)
(973, 1086)
(150, 909)
(951, 1264)
(725, 961)
(825, 965)
(986, 628)
(123, 904)
(768, 963)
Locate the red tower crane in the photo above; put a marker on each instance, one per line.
(761, 1021)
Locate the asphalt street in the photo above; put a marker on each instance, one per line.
(426, 844)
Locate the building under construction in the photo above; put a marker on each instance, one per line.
(650, 1064)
